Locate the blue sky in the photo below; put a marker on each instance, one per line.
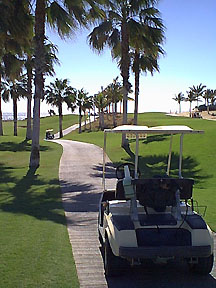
(190, 58)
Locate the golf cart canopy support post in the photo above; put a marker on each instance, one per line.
(170, 155)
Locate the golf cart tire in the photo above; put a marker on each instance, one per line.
(204, 265)
(113, 265)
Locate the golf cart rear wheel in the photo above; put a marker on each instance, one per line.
(204, 265)
(113, 265)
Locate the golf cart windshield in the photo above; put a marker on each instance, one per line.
(159, 130)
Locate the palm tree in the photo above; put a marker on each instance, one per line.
(81, 99)
(207, 96)
(146, 38)
(101, 103)
(15, 18)
(87, 105)
(64, 16)
(191, 98)
(114, 93)
(14, 90)
(198, 91)
(58, 93)
(114, 31)
(179, 98)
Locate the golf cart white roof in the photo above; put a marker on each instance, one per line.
(172, 129)
(132, 129)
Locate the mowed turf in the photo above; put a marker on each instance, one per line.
(34, 245)
(199, 155)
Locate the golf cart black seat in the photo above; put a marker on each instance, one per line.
(160, 190)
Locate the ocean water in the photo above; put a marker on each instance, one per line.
(20, 116)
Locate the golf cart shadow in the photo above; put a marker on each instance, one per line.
(169, 275)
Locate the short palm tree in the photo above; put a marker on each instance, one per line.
(191, 97)
(81, 99)
(114, 94)
(14, 90)
(58, 93)
(198, 91)
(179, 98)
(101, 102)
(207, 96)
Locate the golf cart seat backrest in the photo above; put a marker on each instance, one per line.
(163, 189)
(158, 193)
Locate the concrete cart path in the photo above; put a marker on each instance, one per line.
(73, 127)
(80, 176)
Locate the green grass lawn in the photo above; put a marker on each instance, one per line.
(199, 161)
(34, 245)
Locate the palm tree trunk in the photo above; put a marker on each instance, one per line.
(190, 109)
(90, 119)
(114, 113)
(102, 120)
(207, 106)
(1, 126)
(39, 80)
(15, 115)
(29, 99)
(125, 65)
(99, 112)
(137, 75)
(85, 119)
(80, 119)
(60, 120)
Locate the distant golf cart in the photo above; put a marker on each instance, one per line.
(152, 218)
(49, 134)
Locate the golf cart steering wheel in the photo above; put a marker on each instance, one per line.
(120, 170)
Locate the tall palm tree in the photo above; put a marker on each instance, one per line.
(15, 18)
(191, 97)
(114, 31)
(179, 98)
(146, 38)
(198, 91)
(64, 16)
(58, 93)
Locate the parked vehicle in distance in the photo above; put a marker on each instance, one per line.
(152, 218)
(49, 134)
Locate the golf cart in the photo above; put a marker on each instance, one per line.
(152, 218)
(49, 134)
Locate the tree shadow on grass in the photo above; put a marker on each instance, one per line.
(5, 175)
(152, 138)
(24, 199)
(22, 146)
(156, 165)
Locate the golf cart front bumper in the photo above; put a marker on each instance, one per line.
(165, 251)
